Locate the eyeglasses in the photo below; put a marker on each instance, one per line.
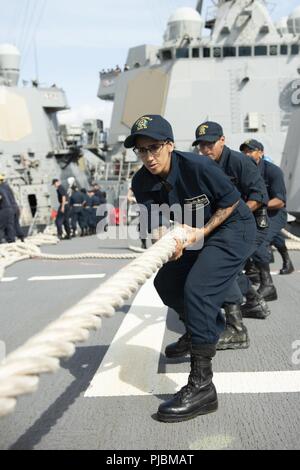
(154, 149)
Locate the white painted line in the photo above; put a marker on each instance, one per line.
(238, 382)
(275, 273)
(64, 278)
(148, 297)
(130, 365)
(9, 279)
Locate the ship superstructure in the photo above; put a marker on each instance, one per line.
(241, 74)
(33, 149)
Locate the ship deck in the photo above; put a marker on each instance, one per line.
(107, 394)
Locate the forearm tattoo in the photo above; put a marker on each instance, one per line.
(218, 218)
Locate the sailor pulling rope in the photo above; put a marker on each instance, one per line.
(19, 372)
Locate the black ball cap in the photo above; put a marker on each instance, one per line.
(252, 144)
(208, 131)
(150, 125)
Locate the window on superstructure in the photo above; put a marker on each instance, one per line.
(182, 53)
(217, 52)
(294, 49)
(206, 52)
(245, 51)
(229, 51)
(167, 54)
(260, 50)
(195, 52)
(283, 49)
(273, 50)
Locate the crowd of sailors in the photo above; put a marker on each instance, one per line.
(78, 209)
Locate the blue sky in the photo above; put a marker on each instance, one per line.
(76, 39)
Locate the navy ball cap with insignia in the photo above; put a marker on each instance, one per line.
(252, 144)
(150, 125)
(208, 131)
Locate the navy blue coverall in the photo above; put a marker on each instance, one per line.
(18, 230)
(245, 175)
(76, 204)
(62, 218)
(6, 217)
(86, 209)
(195, 285)
(274, 179)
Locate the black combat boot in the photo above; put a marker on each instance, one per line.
(255, 306)
(271, 253)
(287, 267)
(252, 272)
(267, 290)
(181, 347)
(235, 335)
(199, 396)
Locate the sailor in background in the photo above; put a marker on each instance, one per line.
(196, 280)
(63, 213)
(16, 210)
(277, 213)
(280, 244)
(100, 194)
(7, 229)
(85, 212)
(76, 206)
(103, 214)
(245, 175)
(94, 204)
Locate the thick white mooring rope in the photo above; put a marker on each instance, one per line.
(14, 252)
(293, 242)
(19, 372)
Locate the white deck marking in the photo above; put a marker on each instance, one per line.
(9, 279)
(131, 362)
(240, 382)
(64, 278)
(275, 273)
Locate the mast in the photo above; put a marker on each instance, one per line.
(199, 6)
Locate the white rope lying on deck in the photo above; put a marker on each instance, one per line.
(294, 244)
(19, 372)
(11, 253)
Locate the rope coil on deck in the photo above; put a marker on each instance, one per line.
(13, 252)
(19, 372)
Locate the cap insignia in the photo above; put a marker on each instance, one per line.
(202, 129)
(142, 123)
